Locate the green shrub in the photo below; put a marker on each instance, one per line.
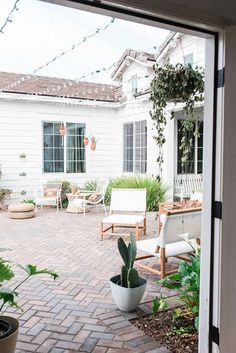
(4, 193)
(155, 189)
(90, 185)
(31, 201)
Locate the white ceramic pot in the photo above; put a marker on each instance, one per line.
(127, 299)
(8, 343)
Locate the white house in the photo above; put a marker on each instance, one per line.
(32, 109)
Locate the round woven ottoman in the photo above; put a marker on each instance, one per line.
(21, 211)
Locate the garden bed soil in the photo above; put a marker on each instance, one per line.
(170, 334)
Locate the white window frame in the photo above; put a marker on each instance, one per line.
(65, 147)
(134, 147)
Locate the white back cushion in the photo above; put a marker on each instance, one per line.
(132, 200)
(175, 225)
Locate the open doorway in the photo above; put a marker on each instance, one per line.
(131, 147)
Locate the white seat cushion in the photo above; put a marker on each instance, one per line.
(124, 219)
(173, 249)
(46, 200)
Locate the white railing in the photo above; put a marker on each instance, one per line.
(187, 184)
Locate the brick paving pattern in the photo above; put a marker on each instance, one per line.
(76, 312)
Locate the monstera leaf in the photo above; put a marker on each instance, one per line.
(5, 271)
(32, 270)
(8, 296)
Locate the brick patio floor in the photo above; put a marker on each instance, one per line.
(75, 313)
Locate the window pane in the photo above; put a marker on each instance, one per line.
(75, 148)
(53, 152)
(58, 167)
(128, 139)
(48, 167)
(58, 154)
(186, 154)
(141, 146)
(48, 128)
(48, 140)
(48, 154)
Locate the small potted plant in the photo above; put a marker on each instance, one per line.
(93, 143)
(127, 288)
(22, 156)
(9, 326)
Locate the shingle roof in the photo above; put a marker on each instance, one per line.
(59, 87)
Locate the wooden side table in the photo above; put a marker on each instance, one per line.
(71, 208)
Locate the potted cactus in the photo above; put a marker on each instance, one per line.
(127, 288)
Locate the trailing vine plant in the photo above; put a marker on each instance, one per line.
(174, 83)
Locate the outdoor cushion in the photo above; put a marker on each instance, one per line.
(21, 215)
(50, 192)
(173, 249)
(21, 207)
(94, 197)
(124, 219)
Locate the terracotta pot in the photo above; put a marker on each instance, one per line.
(93, 146)
(8, 343)
(86, 141)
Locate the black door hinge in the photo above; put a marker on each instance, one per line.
(217, 209)
(215, 335)
(221, 78)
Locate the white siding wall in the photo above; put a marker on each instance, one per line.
(187, 45)
(21, 132)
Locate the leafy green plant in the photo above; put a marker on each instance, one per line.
(90, 185)
(158, 304)
(187, 282)
(66, 189)
(129, 277)
(4, 193)
(9, 295)
(156, 190)
(31, 201)
(173, 83)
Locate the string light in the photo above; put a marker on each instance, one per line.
(9, 17)
(72, 48)
(92, 73)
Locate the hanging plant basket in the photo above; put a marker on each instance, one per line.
(93, 143)
(93, 146)
(173, 83)
(86, 141)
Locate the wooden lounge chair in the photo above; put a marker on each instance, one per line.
(170, 243)
(127, 210)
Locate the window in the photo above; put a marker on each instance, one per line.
(193, 162)
(188, 59)
(135, 147)
(75, 152)
(134, 84)
(60, 154)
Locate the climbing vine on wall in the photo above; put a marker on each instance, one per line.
(174, 83)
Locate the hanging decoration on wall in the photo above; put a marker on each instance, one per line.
(92, 141)
(62, 132)
(86, 141)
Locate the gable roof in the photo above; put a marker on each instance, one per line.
(131, 55)
(59, 87)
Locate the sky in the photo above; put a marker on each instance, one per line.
(39, 31)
